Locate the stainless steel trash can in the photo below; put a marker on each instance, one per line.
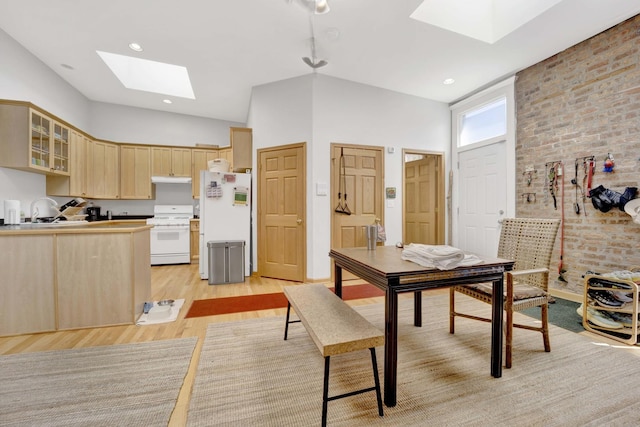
(226, 261)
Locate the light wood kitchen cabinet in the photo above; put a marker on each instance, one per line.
(104, 170)
(73, 276)
(241, 147)
(32, 141)
(199, 160)
(195, 240)
(27, 286)
(171, 161)
(227, 154)
(76, 184)
(135, 172)
(91, 292)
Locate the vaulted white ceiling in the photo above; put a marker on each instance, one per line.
(229, 46)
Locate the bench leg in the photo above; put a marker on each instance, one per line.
(286, 323)
(376, 378)
(325, 391)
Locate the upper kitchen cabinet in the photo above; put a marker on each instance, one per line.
(200, 159)
(77, 183)
(241, 148)
(32, 141)
(135, 172)
(170, 161)
(104, 170)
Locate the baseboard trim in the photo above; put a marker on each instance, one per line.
(571, 296)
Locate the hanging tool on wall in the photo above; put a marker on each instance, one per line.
(552, 180)
(579, 190)
(608, 163)
(559, 167)
(342, 208)
(589, 164)
(528, 173)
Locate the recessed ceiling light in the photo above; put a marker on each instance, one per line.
(67, 66)
(135, 46)
(448, 81)
(149, 76)
(167, 101)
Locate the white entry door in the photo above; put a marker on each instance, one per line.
(483, 198)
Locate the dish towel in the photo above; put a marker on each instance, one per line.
(144, 319)
(442, 257)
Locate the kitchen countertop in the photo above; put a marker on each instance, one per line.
(81, 228)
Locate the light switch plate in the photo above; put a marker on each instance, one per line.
(321, 189)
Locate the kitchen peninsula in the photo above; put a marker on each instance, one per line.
(73, 276)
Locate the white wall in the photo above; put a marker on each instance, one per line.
(320, 110)
(143, 126)
(281, 113)
(23, 77)
(353, 113)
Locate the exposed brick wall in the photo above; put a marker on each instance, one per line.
(581, 102)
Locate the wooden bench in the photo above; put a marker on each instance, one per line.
(335, 328)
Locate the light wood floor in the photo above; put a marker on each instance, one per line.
(167, 282)
(174, 282)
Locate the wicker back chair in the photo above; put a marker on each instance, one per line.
(529, 242)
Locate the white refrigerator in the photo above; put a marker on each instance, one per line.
(225, 214)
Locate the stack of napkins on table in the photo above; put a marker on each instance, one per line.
(442, 257)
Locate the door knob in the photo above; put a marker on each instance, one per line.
(299, 221)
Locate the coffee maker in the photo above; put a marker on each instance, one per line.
(93, 213)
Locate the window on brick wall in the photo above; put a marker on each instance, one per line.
(485, 123)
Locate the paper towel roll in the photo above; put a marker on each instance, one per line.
(12, 211)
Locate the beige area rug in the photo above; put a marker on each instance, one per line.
(247, 375)
(117, 385)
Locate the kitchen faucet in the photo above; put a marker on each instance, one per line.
(35, 213)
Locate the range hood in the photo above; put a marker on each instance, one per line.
(171, 180)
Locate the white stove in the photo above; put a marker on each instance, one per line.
(170, 234)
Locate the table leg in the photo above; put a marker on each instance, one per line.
(337, 279)
(417, 308)
(390, 347)
(496, 327)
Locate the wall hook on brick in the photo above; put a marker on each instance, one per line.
(529, 197)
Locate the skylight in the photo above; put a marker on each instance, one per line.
(485, 20)
(149, 76)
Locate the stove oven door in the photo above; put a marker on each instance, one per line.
(170, 245)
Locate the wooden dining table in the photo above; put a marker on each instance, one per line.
(385, 269)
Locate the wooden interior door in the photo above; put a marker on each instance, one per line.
(423, 198)
(361, 183)
(281, 212)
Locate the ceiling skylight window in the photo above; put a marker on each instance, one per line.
(485, 20)
(149, 76)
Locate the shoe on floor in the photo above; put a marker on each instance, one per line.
(599, 319)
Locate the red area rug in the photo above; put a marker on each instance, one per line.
(211, 307)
